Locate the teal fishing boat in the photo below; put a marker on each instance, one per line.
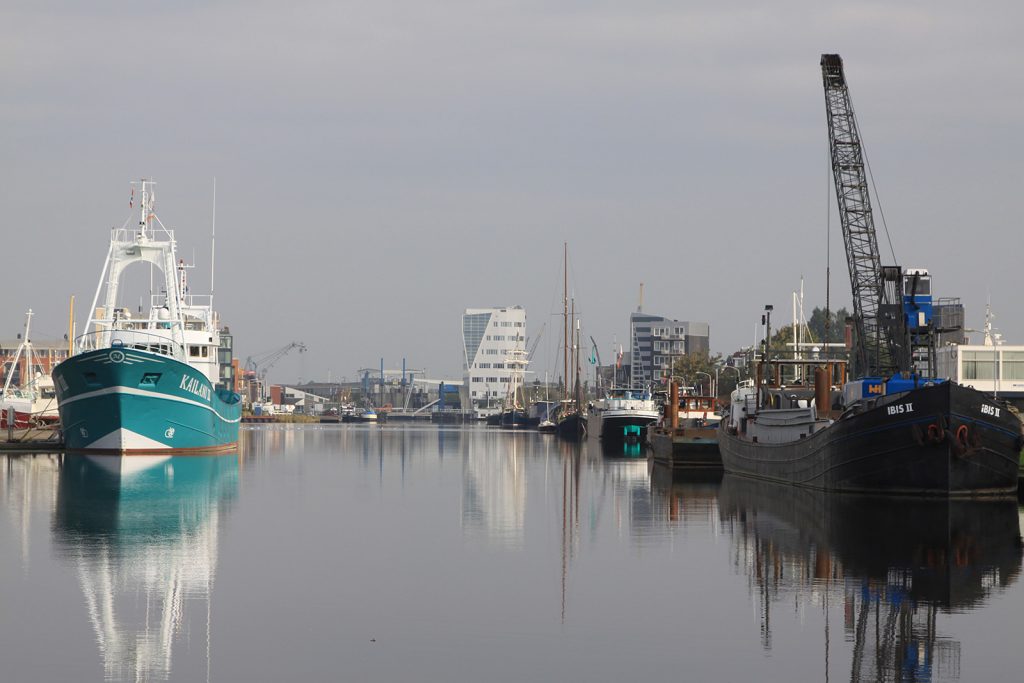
(147, 384)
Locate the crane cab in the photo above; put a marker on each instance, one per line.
(917, 298)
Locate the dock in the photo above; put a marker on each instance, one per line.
(33, 440)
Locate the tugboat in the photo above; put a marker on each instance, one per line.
(147, 385)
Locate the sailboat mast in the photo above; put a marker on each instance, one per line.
(575, 358)
(565, 316)
(579, 384)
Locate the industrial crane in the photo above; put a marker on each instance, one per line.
(259, 365)
(892, 308)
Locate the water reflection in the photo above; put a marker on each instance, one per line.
(142, 534)
(29, 483)
(684, 499)
(494, 493)
(892, 564)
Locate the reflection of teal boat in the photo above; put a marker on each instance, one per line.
(142, 534)
(108, 499)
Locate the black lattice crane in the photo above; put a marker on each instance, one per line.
(877, 348)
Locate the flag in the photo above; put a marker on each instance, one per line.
(593, 353)
(131, 200)
(618, 357)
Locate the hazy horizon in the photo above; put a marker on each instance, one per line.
(383, 166)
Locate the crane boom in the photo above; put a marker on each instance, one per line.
(881, 340)
(874, 352)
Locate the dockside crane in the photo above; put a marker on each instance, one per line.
(892, 309)
(259, 365)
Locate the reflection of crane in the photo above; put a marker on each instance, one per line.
(259, 365)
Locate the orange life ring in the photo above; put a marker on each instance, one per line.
(935, 433)
(962, 434)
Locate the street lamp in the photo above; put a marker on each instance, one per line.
(700, 372)
(730, 367)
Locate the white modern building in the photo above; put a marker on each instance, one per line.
(989, 368)
(491, 337)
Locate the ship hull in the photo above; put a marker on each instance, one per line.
(128, 402)
(572, 427)
(24, 415)
(944, 440)
(688, 448)
(620, 426)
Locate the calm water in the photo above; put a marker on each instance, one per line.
(352, 553)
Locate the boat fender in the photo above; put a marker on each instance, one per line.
(935, 434)
(917, 434)
(954, 444)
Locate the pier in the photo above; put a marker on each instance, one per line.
(33, 440)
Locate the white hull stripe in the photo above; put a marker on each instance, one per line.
(149, 394)
(125, 439)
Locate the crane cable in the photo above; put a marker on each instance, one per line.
(871, 176)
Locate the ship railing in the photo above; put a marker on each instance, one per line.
(125, 340)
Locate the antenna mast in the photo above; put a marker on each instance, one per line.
(213, 239)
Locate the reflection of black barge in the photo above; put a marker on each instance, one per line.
(901, 436)
(949, 553)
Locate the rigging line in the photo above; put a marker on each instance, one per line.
(871, 176)
(828, 248)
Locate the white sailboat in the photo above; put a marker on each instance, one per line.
(34, 402)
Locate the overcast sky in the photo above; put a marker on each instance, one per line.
(382, 166)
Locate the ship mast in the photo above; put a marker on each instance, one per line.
(565, 318)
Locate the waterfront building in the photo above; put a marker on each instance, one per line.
(657, 342)
(992, 367)
(228, 375)
(490, 337)
(46, 354)
(989, 368)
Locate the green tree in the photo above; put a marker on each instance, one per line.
(837, 324)
(688, 368)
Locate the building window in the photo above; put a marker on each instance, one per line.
(978, 365)
(1013, 364)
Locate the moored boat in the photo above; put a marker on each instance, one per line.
(690, 439)
(147, 385)
(895, 436)
(34, 402)
(622, 414)
(367, 415)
